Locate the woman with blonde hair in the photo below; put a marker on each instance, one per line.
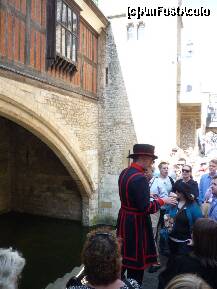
(187, 281)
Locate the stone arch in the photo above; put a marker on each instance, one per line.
(57, 142)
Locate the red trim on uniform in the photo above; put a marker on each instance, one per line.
(133, 213)
(160, 201)
(138, 167)
(130, 258)
(131, 209)
(141, 268)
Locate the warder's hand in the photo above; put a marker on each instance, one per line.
(171, 194)
(170, 201)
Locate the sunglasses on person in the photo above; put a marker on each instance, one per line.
(185, 171)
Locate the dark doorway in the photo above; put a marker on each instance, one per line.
(32, 178)
(34, 186)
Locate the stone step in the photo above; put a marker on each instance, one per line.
(60, 283)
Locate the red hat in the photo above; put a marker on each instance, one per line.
(143, 150)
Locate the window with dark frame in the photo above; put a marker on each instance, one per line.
(66, 31)
(62, 34)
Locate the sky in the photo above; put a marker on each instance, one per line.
(201, 31)
(157, 59)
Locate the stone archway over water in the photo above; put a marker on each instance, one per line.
(56, 141)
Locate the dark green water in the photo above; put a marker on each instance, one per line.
(50, 246)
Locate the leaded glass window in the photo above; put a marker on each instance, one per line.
(66, 31)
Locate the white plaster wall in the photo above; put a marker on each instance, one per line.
(149, 69)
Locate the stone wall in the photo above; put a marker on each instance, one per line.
(116, 130)
(91, 138)
(189, 121)
(66, 122)
(188, 132)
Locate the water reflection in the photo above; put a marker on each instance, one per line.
(51, 246)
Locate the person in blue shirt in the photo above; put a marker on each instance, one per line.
(206, 179)
(212, 213)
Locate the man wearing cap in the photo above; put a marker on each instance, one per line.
(134, 224)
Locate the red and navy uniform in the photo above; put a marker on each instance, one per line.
(134, 224)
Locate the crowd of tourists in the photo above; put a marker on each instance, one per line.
(168, 212)
(163, 212)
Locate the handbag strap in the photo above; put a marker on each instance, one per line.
(153, 180)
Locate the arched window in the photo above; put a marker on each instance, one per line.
(141, 31)
(130, 32)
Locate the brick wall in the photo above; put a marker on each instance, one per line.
(23, 31)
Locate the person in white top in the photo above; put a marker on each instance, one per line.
(162, 185)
